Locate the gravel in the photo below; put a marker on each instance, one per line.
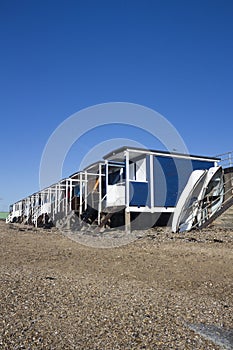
(56, 293)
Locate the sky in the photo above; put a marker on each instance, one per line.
(58, 57)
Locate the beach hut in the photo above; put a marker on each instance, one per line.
(148, 182)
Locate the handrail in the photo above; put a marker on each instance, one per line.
(226, 159)
(58, 204)
(36, 214)
(9, 218)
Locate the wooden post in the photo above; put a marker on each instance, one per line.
(127, 194)
(100, 193)
(80, 194)
(127, 222)
(59, 198)
(70, 199)
(66, 197)
(152, 200)
(85, 189)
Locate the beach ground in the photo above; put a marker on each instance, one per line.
(149, 294)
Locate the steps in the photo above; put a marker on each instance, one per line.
(9, 218)
(69, 221)
(108, 213)
(225, 218)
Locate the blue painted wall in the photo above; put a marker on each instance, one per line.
(138, 192)
(171, 176)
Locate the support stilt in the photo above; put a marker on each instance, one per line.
(127, 222)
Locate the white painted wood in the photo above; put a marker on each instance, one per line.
(127, 199)
(141, 170)
(152, 199)
(115, 195)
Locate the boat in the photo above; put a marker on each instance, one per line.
(212, 196)
(188, 204)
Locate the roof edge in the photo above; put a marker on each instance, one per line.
(124, 148)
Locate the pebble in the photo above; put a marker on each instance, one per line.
(59, 294)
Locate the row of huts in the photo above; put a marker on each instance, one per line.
(130, 187)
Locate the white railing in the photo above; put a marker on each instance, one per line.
(36, 214)
(226, 159)
(9, 218)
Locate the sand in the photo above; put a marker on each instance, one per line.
(149, 294)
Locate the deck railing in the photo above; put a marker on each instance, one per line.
(226, 159)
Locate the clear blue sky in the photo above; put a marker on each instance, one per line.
(60, 56)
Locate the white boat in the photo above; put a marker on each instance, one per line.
(212, 196)
(188, 203)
